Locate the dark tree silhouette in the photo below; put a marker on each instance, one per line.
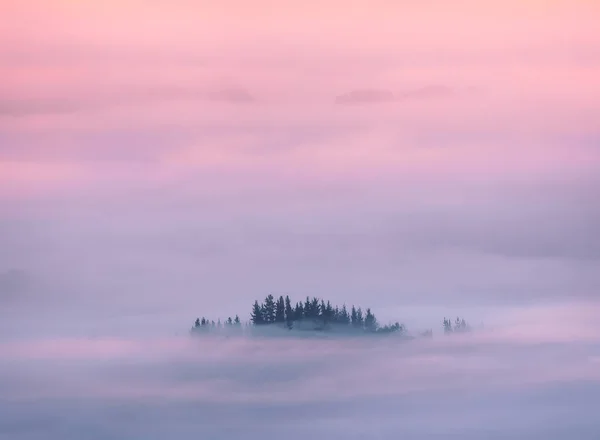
(257, 317)
(447, 326)
(269, 309)
(344, 316)
(317, 314)
(354, 317)
(370, 322)
(299, 312)
(289, 312)
(315, 308)
(280, 311)
(360, 318)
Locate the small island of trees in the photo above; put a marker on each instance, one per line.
(314, 314)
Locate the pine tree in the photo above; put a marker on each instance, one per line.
(447, 326)
(237, 321)
(197, 323)
(354, 317)
(289, 312)
(269, 309)
(370, 321)
(299, 312)
(308, 313)
(229, 321)
(315, 309)
(344, 316)
(280, 311)
(359, 318)
(257, 314)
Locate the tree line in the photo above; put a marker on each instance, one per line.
(311, 314)
(314, 314)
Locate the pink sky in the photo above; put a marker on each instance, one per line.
(525, 68)
(223, 116)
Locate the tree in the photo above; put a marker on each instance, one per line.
(197, 323)
(354, 317)
(315, 309)
(359, 318)
(344, 316)
(299, 312)
(447, 326)
(237, 321)
(229, 321)
(460, 325)
(308, 312)
(370, 321)
(280, 311)
(269, 309)
(289, 312)
(328, 312)
(257, 317)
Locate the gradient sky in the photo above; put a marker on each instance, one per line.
(185, 157)
(167, 159)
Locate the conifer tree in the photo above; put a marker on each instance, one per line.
(269, 309)
(447, 326)
(280, 311)
(308, 313)
(197, 323)
(336, 315)
(299, 312)
(237, 321)
(289, 312)
(344, 316)
(257, 317)
(229, 321)
(315, 309)
(370, 321)
(359, 318)
(354, 317)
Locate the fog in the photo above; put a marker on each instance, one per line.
(536, 375)
(167, 160)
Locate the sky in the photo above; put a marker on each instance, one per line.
(163, 160)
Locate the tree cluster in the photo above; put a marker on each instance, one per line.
(315, 314)
(311, 314)
(460, 326)
(206, 324)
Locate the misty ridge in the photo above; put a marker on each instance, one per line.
(312, 316)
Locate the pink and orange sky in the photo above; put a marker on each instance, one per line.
(162, 160)
(334, 146)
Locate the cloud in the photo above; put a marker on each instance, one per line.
(93, 100)
(381, 96)
(234, 95)
(503, 380)
(365, 96)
